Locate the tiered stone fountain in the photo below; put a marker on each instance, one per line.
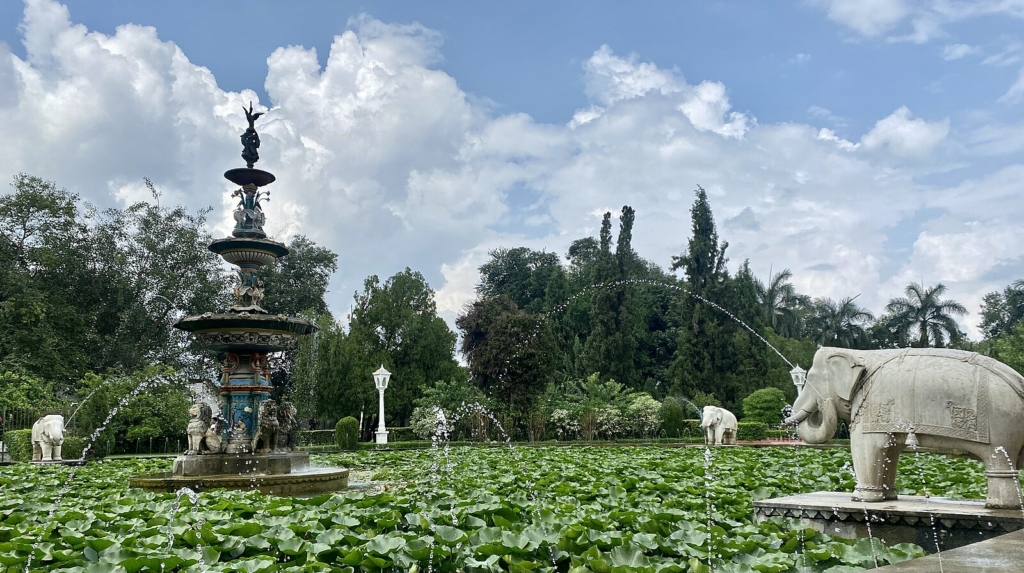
(252, 444)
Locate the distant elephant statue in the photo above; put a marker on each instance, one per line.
(937, 399)
(719, 426)
(47, 438)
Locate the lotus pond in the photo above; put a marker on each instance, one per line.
(600, 509)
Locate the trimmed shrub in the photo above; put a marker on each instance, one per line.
(764, 405)
(72, 448)
(672, 416)
(692, 428)
(346, 433)
(751, 431)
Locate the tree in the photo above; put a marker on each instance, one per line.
(923, 315)
(297, 283)
(842, 324)
(1000, 312)
(780, 301)
(611, 346)
(526, 277)
(512, 354)
(99, 291)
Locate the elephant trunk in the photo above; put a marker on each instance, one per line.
(818, 427)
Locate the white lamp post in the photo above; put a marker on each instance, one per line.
(380, 380)
(799, 376)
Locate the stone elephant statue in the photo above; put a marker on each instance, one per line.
(719, 426)
(47, 438)
(932, 398)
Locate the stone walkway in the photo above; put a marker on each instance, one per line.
(1003, 554)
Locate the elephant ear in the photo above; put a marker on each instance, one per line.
(844, 375)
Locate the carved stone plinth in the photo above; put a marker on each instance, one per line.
(910, 519)
(308, 483)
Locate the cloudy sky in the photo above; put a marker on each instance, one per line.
(861, 143)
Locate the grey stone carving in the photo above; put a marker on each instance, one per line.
(719, 426)
(267, 427)
(288, 430)
(47, 438)
(938, 399)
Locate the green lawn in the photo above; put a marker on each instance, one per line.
(567, 508)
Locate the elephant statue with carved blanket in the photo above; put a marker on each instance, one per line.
(935, 399)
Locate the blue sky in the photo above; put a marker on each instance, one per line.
(861, 143)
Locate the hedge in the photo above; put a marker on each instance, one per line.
(751, 431)
(316, 437)
(402, 434)
(19, 446)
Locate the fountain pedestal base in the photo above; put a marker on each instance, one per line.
(909, 519)
(240, 464)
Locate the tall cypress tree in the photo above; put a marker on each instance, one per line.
(704, 344)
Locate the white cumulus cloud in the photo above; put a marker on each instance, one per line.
(904, 135)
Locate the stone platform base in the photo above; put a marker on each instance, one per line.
(240, 464)
(302, 484)
(58, 462)
(910, 519)
(1003, 554)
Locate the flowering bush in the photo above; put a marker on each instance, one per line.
(643, 415)
(563, 424)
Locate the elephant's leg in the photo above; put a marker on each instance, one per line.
(37, 452)
(892, 462)
(1003, 485)
(56, 452)
(47, 450)
(869, 463)
(719, 435)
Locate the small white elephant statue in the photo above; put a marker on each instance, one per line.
(47, 438)
(719, 426)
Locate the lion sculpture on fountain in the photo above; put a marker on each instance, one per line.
(287, 438)
(267, 426)
(199, 417)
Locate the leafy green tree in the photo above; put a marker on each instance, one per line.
(764, 405)
(1001, 311)
(512, 354)
(672, 416)
(1009, 348)
(533, 280)
(842, 324)
(297, 283)
(923, 315)
(99, 291)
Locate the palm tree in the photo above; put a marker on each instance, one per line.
(840, 323)
(779, 300)
(923, 315)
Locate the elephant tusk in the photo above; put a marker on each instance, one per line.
(797, 417)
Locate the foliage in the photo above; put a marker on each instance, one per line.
(1009, 348)
(643, 415)
(152, 403)
(764, 405)
(82, 290)
(19, 444)
(297, 283)
(604, 509)
(346, 433)
(1002, 311)
(425, 421)
(394, 324)
(751, 431)
(22, 391)
(671, 416)
(701, 399)
(842, 324)
(526, 277)
(511, 354)
(924, 316)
